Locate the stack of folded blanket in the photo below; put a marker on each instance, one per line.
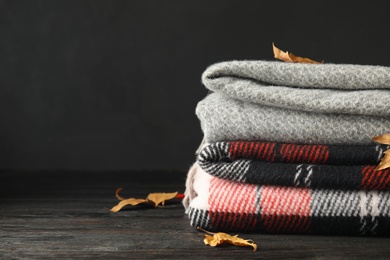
(288, 149)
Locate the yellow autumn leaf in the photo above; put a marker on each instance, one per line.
(157, 198)
(382, 139)
(289, 57)
(219, 238)
(125, 202)
(385, 161)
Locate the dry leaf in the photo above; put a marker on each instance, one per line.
(222, 238)
(281, 55)
(385, 161)
(382, 139)
(125, 202)
(157, 198)
(289, 57)
(119, 197)
(154, 199)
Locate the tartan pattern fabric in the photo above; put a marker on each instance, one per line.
(314, 166)
(303, 153)
(289, 149)
(233, 206)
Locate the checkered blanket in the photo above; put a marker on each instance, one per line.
(290, 151)
(311, 166)
(221, 205)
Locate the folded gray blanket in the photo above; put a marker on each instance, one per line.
(295, 103)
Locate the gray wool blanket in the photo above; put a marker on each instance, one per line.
(295, 103)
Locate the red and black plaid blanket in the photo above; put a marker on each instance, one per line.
(222, 205)
(291, 187)
(310, 166)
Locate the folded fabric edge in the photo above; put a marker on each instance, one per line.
(284, 210)
(189, 193)
(263, 163)
(343, 76)
(223, 119)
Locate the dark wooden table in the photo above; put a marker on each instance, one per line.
(57, 214)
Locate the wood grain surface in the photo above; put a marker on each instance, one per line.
(57, 214)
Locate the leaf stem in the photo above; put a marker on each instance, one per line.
(208, 232)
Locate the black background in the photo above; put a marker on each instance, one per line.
(113, 85)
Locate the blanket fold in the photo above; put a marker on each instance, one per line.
(314, 166)
(293, 153)
(317, 88)
(295, 103)
(225, 119)
(220, 204)
(288, 149)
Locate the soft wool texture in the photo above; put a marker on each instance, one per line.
(321, 76)
(295, 103)
(218, 204)
(314, 166)
(225, 119)
(320, 88)
(288, 149)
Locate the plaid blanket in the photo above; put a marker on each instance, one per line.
(311, 166)
(221, 205)
(304, 160)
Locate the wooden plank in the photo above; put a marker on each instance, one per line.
(66, 215)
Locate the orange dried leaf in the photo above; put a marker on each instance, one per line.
(154, 199)
(289, 57)
(216, 239)
(385, 161)
(125, 202)
(117, 194)
(382, 139)
(281, 55)
(160, 198)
